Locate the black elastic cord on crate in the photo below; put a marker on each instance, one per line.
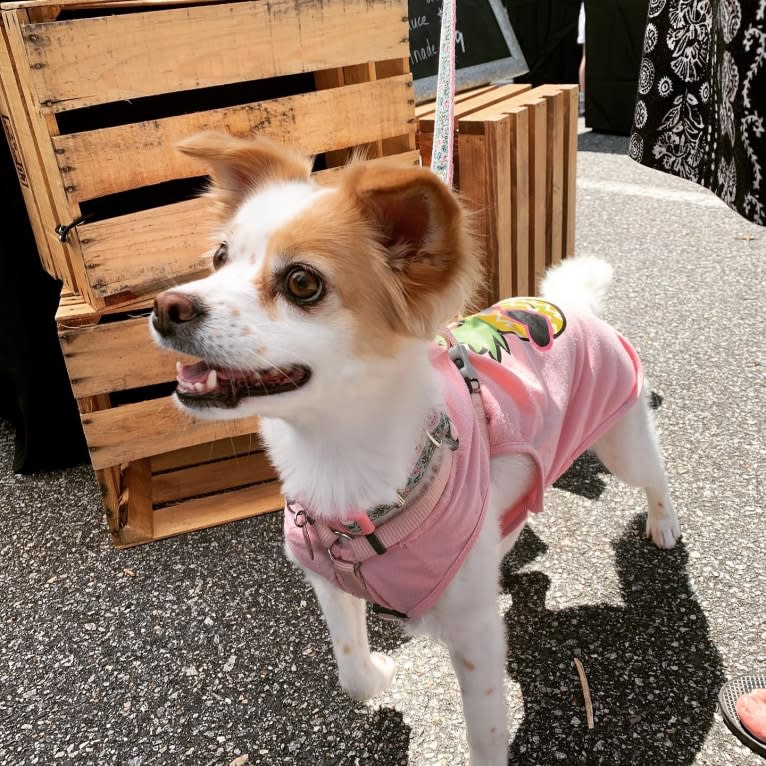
(63, 230)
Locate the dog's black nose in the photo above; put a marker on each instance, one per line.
(172, 309)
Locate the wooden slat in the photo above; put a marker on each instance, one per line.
(538, 169)
(405, 142)
(519, 159)
(192, 515)
(484, 167)
(74, 312)
(146, 251)
(570, 177)
(72, 4)
(138, 484)
(427, 108)
(465, 105)
(553, 153)
(110, 482)
(144, 54)
(116, 356)
(43, 13)
(211, 477)
(569, 122)
(555, 178)
(212, 511)
(147, 428)
(28, 170)
(206, 453)
(326, 79)
(336, 78)
(537, 160)
(356, 75)
(52, 204)
(477, 102)
(142, 154)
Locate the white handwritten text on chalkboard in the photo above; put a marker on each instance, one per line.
(429, 50)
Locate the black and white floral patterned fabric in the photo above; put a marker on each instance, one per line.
(701, 102)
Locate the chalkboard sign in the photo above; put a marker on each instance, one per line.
(486, 47)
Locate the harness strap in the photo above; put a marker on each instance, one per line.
(348, 551)
(394, 530)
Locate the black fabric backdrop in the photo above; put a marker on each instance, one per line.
(614, 34)
(547, 33)
(701, 105)
(35, 395)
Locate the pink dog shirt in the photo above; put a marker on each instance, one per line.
(550, 386)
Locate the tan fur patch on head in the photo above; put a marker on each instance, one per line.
(239, 166)
(395, 245)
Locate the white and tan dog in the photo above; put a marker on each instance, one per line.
(320, 318)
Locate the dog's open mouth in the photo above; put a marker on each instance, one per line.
(200, 385)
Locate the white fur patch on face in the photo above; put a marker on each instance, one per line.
(262, 214)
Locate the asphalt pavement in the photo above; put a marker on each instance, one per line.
(209, 650)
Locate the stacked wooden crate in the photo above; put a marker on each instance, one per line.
(94, 95)
(515, 164)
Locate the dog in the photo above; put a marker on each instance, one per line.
(412, 439)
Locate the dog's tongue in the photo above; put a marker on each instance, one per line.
(197, 378)
(192, 373)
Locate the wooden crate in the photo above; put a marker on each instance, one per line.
(161, 472)
(515, 164)
(94, 94)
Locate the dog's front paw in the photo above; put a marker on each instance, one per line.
(664, 530)
(372, 679)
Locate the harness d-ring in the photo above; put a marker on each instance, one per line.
(339, 536)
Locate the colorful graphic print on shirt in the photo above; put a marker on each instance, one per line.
(531, 319)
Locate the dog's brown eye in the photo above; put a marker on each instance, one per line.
(220, 256)
(303, 286)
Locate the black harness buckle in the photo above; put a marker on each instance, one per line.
(459, 356)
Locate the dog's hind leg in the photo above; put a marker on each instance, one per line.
(630, 450)
(362, 674)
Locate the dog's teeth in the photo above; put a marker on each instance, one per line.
(212, 380)
(179, 367)
(199, 387)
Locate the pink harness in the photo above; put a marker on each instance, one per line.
(531, 382)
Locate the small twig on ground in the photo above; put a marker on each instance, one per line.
(585, 692)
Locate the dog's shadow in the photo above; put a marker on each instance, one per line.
(651, 666)
(582, 477)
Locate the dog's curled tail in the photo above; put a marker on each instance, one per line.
(583, 280)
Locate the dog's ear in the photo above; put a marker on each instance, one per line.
(239, 166)
(411, 208)
(425, 233)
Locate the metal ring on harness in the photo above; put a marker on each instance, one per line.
(340, 536)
